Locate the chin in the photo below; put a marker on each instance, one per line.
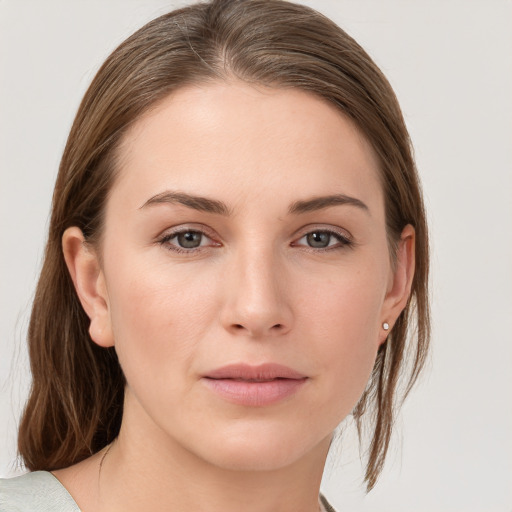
(264, 451)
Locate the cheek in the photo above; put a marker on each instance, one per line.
(343, 317)
(158, 318)
(346, 307)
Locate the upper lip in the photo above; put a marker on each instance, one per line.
(259, 373)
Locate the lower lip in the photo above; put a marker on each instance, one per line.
(254, 394)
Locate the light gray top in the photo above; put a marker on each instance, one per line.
(40, 491)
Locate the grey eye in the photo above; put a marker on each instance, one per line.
(319, 239)
(189, 239)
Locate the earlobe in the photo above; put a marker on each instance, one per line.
(401, 280)
(87, 276)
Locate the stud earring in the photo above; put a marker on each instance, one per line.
(385, 326)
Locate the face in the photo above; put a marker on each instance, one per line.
(245, 273)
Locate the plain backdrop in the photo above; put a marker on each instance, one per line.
(451, 66)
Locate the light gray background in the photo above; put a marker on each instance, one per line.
(450, 63)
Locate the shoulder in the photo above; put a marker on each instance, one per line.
(39, 491)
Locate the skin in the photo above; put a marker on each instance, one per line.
(254, 291)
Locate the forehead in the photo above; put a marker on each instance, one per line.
(231, 139)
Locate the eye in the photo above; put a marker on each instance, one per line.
(186, 240)
(319, 239)
(189, 239)
(323, 239)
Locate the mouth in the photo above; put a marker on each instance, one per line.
(254, 386)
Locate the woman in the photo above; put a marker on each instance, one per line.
(237, 248)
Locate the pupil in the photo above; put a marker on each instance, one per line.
(318, 239)
(189, 239)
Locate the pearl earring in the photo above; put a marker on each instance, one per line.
(385, 326)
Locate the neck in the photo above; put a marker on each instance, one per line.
(155, 480)
(147, 470)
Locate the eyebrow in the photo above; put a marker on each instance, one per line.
(205, 204)
(318, 203)
(202, 204)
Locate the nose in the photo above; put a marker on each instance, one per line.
(256, 302)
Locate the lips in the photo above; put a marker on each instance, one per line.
(254, 386)
(263, 372)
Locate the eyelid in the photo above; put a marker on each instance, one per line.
(184, 227)
(325, 228)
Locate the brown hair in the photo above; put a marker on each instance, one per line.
(76, 400)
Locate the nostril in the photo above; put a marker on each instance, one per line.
(257, 328)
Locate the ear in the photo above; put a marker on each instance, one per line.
(400, 282)
(85, 270)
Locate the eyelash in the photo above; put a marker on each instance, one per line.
(343, 242)
(165, 241)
